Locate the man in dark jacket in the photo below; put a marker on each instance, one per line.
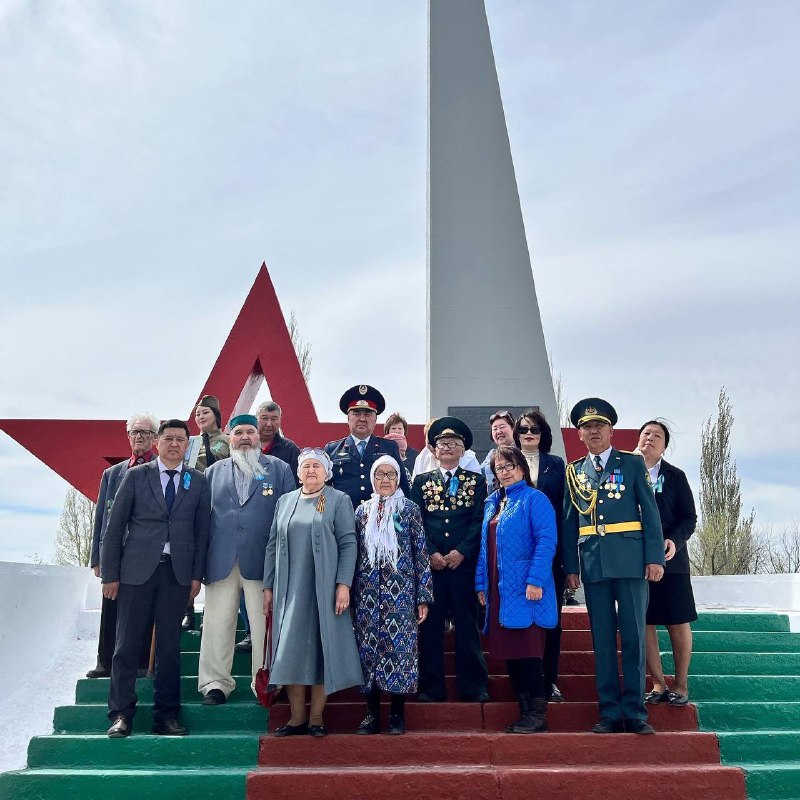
(141, 435)
(152, 561)
(451, 500)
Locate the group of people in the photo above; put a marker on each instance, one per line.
(360, 555)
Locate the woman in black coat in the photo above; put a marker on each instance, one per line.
(671, 599)
(533, 435)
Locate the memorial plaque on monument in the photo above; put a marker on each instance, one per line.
(477, 417)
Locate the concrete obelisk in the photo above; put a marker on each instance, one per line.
(486, 347)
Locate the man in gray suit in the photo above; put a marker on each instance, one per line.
(141, 435)
(244, 492)
(152, 562)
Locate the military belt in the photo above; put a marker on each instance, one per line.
(614, 527)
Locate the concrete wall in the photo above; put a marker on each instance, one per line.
(41, 605)
(763, 592)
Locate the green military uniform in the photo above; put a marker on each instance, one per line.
(452, 515)
(611, 519)
(220, 448)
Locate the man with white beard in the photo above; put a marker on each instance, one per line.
(244, 492)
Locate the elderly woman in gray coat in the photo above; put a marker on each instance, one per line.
(308, 570)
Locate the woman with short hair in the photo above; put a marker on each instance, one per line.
(534, 437)
(671, 599)
(514, 581)
(308, 570)
(396, 430)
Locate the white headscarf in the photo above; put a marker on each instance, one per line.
(318, 454)
(380, 537)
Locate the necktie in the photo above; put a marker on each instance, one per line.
(598, 465)
(452, 483)
(209, 455)
(362, 446)
(169, 491)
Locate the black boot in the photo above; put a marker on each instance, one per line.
(532, 718)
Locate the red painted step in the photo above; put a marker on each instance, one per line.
(577, 717)
(709, 781)
(500, 749)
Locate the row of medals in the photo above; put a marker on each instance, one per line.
(613, 488)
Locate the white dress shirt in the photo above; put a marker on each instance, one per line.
(604, 456)
(176, 480)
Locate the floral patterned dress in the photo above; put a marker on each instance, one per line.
(385, 603)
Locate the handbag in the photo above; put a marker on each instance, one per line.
(266, 693)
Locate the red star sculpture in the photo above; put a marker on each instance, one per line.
(257, 348)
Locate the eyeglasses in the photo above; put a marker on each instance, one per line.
(506, 415)
(501, 469)
(523, 429)
(449, 445)
(388, 476)
(317, 451)
(137, 432)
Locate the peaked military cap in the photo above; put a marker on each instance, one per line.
(592, 408)
(362, 397)
(450, 426)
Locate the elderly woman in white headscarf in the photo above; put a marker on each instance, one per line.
(308, 571)
(392, 588)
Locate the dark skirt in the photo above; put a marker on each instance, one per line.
(671, 601)
(507, 643)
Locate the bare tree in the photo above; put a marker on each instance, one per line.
(562, 404)
(74, 537)
(301, 346)
(725, 542)
(782, 550)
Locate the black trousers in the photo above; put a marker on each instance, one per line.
(162, 599)
(552, 641)
(453, 591)
(108, 637)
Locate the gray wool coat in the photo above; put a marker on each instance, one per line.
(333, 534)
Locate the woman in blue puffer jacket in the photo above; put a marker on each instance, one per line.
(514, 581)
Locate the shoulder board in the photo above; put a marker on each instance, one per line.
(577, 461)
(630, 453)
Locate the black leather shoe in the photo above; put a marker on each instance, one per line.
(424, 697)
(245, 646)
(188, 621)
(119, 729)
(606, 725)
(170, 727)
(639, 726)
(397, 725)
(215, 697)
(317, 730)
(292, 730)
(654, 698)
(369, 725)
(554, 694)
(99, 672)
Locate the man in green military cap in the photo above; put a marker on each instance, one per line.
(611, 519)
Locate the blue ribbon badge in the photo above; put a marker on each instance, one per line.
(187, 480)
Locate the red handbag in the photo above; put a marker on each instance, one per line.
(266, 694)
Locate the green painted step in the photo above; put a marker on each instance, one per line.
(749, 716)
(190, 640)
(738, 663)
(741, 621)
(234, 718)
(95, 690)
(759, 747)
(744, 687)
(773, 781)
(190, 662)
(740, 642)
(123, 784)
(143, 751)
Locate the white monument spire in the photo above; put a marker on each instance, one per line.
(485, 340)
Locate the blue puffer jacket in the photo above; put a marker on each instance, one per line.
(526, 544)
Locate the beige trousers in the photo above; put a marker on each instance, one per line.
(219, 631)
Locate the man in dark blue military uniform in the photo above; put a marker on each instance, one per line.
(354, 455)
(451, 501)
(611, 519)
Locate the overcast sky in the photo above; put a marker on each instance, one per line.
(153, 154)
